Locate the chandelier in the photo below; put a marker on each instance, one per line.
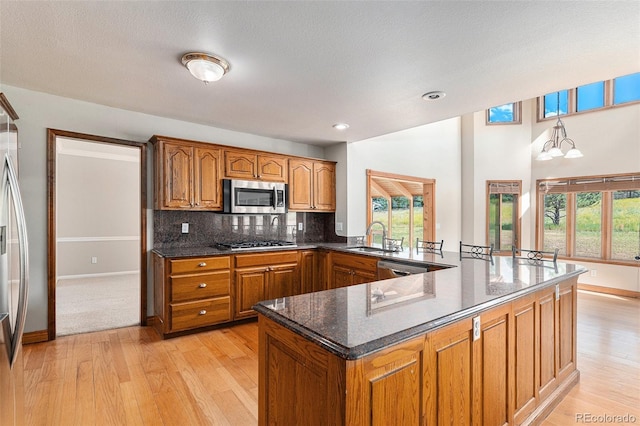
(552, 148)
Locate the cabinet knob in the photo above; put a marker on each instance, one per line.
(202, 264)
(203, 285)
(202, 312)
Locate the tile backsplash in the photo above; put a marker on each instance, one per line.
(209, 228)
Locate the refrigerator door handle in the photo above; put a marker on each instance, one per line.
(23, 248)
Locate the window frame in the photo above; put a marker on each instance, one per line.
(518, 222)
(605, 184)
(429, 204)
(517, 115)
(572, 104)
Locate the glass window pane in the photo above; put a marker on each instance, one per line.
(555, 223)
(590, 96)
(588, 224)
(551, 103)
(625, 235)
(494, 220)
(626, 89)
(418, 220)
(400, 219)
(380, 213)
(507, 221)
(502, 114)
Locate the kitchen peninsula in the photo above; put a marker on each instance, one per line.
(482, 342)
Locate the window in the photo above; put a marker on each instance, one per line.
(404, 204)
(503, 217)
(623, 90)
(591, 217)
(626, 89)
(505, 114)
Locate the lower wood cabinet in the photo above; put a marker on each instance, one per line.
(514, 370)
(264, 276)
(191, 292)
(350, 269)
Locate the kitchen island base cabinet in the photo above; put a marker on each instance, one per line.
(512, 369)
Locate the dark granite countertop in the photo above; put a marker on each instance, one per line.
(355, 321)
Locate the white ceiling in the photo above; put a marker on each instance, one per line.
(299, 67)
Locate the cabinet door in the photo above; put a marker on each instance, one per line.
(524, 324)
(250, 289)
(207, 188)
(308, 272)
(324, 186)
(272, 168)
(360, 276)
(300, 184)
(283, 281)
(341, 276)
(240, 165)
(567, 299)
(547, 355)
(178, 175)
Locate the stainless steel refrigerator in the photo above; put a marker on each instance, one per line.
(14, 273)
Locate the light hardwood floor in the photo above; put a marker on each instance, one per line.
(129, 376)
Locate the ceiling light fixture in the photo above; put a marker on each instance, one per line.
(205, 67)
(552, 148)
(434, 96)
(341, 126)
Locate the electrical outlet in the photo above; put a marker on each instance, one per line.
(338, 226)
(300, 226)
(94, 260)
(185, 228)
(594, 272)
(476, 328)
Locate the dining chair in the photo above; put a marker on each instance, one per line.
(428, 246)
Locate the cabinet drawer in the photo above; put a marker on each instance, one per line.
(266, 259)
(366, 263)
(200, 314)
(201, 286)
(199, 264)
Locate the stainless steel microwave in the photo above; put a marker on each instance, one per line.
(254, 197)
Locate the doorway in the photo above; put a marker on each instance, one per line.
(97, 233)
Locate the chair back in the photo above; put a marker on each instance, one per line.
(428, 246)
(534, 255)
(475, 251)
(393, 244)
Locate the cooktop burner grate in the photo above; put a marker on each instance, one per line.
(249, 245)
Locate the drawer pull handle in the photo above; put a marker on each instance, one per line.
(202, 312)
(203, 264)
(203, 285)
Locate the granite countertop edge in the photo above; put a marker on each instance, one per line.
(360, 351)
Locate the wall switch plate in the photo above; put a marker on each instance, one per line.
(300, 226)
(94, 259)
(476, 328)
(185, 228)
(338, 226)
(594, 272)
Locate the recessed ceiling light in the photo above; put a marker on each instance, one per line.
(341, 126)
(434, 96)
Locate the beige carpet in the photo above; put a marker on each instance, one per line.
(92, 304)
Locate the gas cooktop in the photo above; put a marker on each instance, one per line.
(252, 245)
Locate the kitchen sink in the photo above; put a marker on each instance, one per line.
(368, 249)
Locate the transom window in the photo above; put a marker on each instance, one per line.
(590, 97)
(592, 218)
(505, 114)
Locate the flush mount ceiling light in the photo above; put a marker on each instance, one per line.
(205, 67)
(552, 148)
(434, 96)
(341, 126)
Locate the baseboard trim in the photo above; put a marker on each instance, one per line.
(98, 275)
(610, 290)
(35, 337)
(552, 401)
(152, 320)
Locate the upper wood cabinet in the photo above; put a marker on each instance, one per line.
(312, 185)
(250, 166)
(187, 175)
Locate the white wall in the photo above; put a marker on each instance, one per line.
(39, 111)
(431, 151)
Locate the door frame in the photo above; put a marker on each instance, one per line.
(52, 135)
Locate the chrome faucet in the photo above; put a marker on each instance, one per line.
(384, 231)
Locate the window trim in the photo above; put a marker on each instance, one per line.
(428, 198)
(517, 115)
(572, 101)
(518, 224)
(607, 184)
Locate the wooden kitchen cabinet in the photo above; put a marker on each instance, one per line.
(191, 292)
(309, 269)
(187, 175)
(350, 269)
(264, 276)
(248, 165)
(312, 185)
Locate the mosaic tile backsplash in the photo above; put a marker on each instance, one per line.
(209, 228)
